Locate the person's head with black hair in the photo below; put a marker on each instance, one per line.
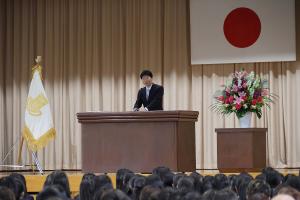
(241, 184)
(169, 193)
(176, 178)
(107, 194)
(6, 193)
(52, 192)
(261, 177)
(232, 181)
(146, 77)
(287, 176)
(192, 196)
(258, 186)
(102, 180)
(59, 178)
(120, 177)
(147, 191)
(258, 196)
(273, 177)
(135, 185)
(99, 192)
(87, 187)
(126, 183)
(160, 171)
(167, 179)
(155, 195)
(20, 189)
(198, 178)
(226, 194)
(207, 184)
(221, 181)
(209, 194)
(113, 195)
(121, 195)
(13, 185)
(138, 182)
(185, 185)
(20, 186)
(165, 175)
(19, 177)
(293, 181)
(154, 180)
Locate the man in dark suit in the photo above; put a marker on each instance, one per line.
(150, 96)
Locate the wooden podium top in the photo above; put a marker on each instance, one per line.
(240, 130)
(178, 115)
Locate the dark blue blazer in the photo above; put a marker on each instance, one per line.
(155, 99)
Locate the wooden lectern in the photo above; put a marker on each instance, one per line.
(139, 141)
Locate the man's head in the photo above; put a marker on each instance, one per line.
(146, 77)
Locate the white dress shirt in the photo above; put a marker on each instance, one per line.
(148, 88)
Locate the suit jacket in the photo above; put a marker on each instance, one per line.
(155, 99)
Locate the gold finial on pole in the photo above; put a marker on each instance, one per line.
(38, 60)
(38, 66)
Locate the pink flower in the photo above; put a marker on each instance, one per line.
(227, 90)
(240, 75)
(235, 88)
(220, 98)
(265, 92)
(242, 94)
(238, 100)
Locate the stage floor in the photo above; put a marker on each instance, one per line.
(35, 181)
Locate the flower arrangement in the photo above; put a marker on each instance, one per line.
(245, 93)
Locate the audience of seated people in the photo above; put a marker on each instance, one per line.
(162, 184)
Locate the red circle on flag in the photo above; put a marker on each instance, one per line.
(242, 27)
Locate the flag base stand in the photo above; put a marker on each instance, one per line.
(33, 158)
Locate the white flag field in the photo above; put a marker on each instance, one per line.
(39, 128)
(241, 31)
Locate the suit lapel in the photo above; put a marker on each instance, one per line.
(144, 94)
(151, 91)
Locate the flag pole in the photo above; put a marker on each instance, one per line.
(20, 151)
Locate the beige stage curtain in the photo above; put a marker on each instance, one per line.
(93, 53)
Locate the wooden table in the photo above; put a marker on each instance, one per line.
(241, 149)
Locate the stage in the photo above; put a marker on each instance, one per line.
(35, 181)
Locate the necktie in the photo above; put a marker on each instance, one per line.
(147, 93)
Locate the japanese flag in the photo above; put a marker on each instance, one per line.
(240, 31)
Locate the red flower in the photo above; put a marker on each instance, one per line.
(238, 106)
(254, 102)
(230, 99)
(260, 99)
(244, 98)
